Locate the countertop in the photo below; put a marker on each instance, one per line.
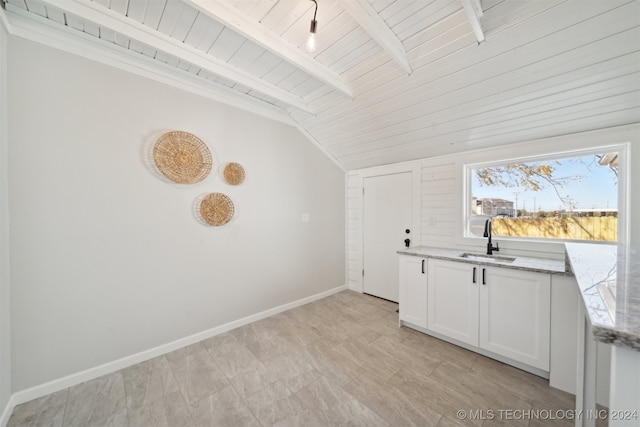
(608, 278)
(541, 265)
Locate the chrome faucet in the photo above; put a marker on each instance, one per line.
(487, 233)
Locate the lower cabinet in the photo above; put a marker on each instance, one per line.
(505, 311)
(452, 295)
(413, 290)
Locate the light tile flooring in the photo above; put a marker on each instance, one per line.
(339, 361)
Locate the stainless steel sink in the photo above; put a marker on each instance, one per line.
(487, 258)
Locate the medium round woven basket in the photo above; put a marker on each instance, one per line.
(182, 157)
(234, 173)
(216, 209)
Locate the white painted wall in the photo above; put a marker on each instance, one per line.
(5, 340)
(107, 259)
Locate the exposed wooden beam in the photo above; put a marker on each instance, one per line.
(23, 24)
(242, 24)
(474, 13)
(367, 17)
(104, 17)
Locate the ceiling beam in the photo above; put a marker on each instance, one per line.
(474, 13)
(104, 17)
(244, 25)
(367, 17)
(23, 24)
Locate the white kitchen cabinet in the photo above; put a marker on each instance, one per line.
(413, 290)
(515, 315)
(452, 297)
(501, 310)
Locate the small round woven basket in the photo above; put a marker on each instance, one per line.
(182, 157)
(233, 173)
(216, 209)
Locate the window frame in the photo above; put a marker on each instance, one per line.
(623, 150)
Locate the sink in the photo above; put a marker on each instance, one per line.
(487, 258)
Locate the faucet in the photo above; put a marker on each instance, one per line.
(487, 233)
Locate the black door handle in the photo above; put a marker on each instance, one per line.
(474, 274)
(484, 280)
(407, 242)
(423, 266)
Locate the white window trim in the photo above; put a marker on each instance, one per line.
(547, 148)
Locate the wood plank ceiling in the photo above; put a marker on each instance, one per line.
(391, 80)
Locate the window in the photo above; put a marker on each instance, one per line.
(573, 196)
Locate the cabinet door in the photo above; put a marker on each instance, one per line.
(515, 313)
(453, 300)
(413, 290)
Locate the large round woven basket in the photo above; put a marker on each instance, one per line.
(182, 157)
(216, 209)
(234, 173)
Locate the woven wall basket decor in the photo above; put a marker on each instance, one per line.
(216, 209)
(182, 157)
(234, 173)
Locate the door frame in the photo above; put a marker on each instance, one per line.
(355, 218)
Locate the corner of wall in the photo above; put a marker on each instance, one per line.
(5, 332)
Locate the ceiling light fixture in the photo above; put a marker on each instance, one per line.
(311, 41)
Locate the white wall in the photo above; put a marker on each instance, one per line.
(107, 259)
(5, 340)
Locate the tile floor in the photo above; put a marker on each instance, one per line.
(338, 361)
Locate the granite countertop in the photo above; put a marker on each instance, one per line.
(541, 265)
(608, 277)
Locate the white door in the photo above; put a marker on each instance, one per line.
(452, 298)
(387, 211)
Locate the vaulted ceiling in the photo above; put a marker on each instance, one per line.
(390, 80)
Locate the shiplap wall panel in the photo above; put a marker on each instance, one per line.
(438, 193)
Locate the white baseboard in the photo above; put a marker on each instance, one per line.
(6, 413)
(110, 367)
